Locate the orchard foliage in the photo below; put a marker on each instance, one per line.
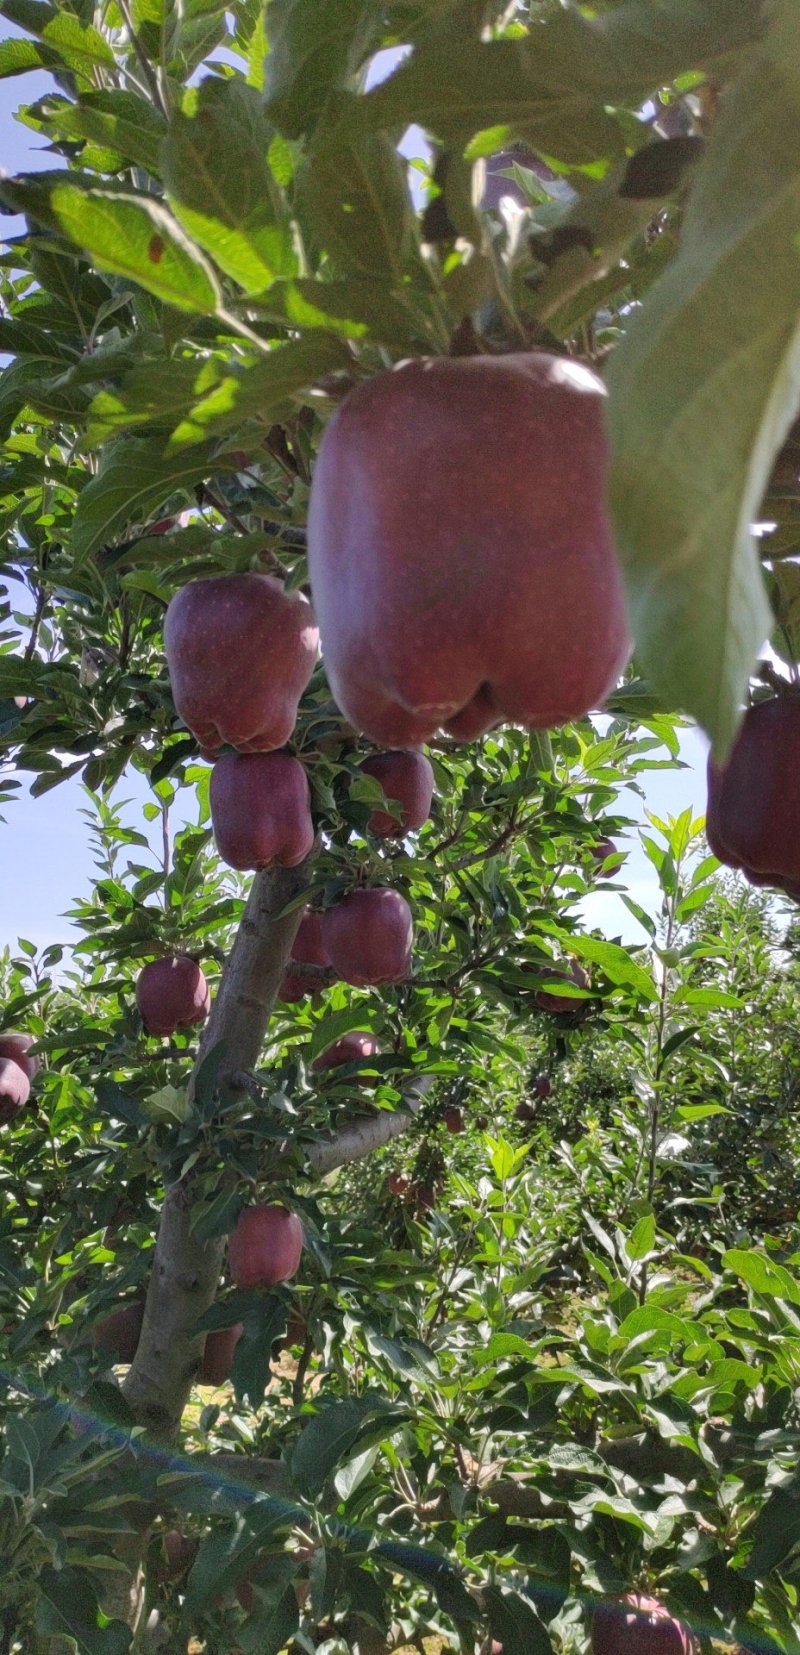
(539, 1347)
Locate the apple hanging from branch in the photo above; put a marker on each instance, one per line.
(261, 810)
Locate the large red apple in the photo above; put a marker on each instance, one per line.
(218, 1354)
(548, 999)
(265, 1247)
(119, 1333)
(17, 1046)
(15, 1089)
(454, 1120)
(368, 936)
(354, 1047)
(171, 994)
(753, 817)
(638, 1625)
(460, 551)
(308, 949)
(542, 1084)
(406, 778)
(240, 651)
(261, 810)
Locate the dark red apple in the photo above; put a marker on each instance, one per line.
(542, 1086)
(240, 651)
(266, 1247)
(368, 937)
(638, 1625)
(17, 1046)
(601, 852)
(15, 1089)
(454, 1120)
(406, 778)
(261, 810)
(460, 549)
(525, 1112)
(218, 1354)
(425, 1197)
(119, 1333)
(171, 994)
(398, 1183)
(180, 1551)
(548, 999)
(753, 816)
(308, 949)
(354, 1047)
(482, 1123)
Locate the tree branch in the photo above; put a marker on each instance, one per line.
(367, 1133)
(186, 1272)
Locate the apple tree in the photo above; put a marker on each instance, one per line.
(266, 381)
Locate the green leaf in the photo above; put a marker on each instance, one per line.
(616, 963)
(260, 392)
(134, 478)
(775, 1533)
(353, 201)
(642, 1238)
(514, 1623)
(703, 390)
(227, 1555)
(331, 1435)
(131, 236)
(763, 1275)
(221, 188)
(312, 49)
(66, 1608)
(551, 88)
(119, 120)
(156, 393)
(17, 57)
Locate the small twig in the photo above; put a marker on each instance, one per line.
(38, 616)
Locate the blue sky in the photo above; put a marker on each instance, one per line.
(46, 857)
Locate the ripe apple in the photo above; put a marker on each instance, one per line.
(460, 551)
(525, 1112)
(15, 1089)
(638, 1625)
(542, 1086)
(398, 1183)
(561, 1004)
(17, 1046)
(171, 994)
(753, 816)
(265, 1247)
(482, 1123)
(308, 949)
(407, 778)
(218, 1354)
(454, 1120)
(354, 1047)
(426, 1197)
(601, 852)
(240, 651)
(261, 810)
(368, 937)
(180, 1551)
(119, 1333)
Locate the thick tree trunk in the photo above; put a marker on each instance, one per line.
(186, 1272)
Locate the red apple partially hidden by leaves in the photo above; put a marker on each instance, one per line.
(354, 1047)
(548, 999)
(218, 1354)
(601, 852)
(496, 186)
(460, 550)
(266, 1247)
(15, 1089)
(240, 651)
(172, 994)
(425, 1195)
(542, 1086)
(17, 1047)
(398, 1183)
(454, 1120)
(308, 949)
(261, 810)
(406, 778)
(368, 937)
(119, 1333)
(638, 1625)
(753, 815)
(180, 1551)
